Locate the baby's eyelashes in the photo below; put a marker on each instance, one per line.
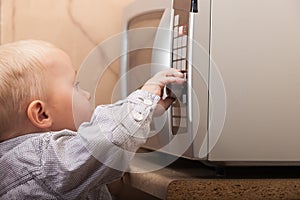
(76, 84)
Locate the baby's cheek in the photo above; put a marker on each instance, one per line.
(82, 111)
(87, 111)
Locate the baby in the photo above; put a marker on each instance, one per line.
(43, 155)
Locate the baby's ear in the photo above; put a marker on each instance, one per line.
(38, 115)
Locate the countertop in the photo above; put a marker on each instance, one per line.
(187, 179)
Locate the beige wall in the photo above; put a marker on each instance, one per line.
(76, 26)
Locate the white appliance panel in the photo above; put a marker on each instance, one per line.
(255, 45)
(243, 75)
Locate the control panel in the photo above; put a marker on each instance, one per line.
(179, 61)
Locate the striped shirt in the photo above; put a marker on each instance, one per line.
(77, 165)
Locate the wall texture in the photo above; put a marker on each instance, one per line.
(76, 26)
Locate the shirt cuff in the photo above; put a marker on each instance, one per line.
(141, 111)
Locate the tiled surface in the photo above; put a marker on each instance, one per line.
(76, 26)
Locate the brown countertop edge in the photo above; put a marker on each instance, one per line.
(234, 189)
(185, 179)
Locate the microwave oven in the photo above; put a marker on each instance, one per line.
(240, 103)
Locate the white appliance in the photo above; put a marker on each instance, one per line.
(241, 102)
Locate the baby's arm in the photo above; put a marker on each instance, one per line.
(123, 127)
(113, 135)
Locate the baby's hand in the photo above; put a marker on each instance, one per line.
(157, 83)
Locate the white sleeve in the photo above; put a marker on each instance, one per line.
(101, 150)
(116, 131)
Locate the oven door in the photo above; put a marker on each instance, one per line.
(161, 35)
(144, 24)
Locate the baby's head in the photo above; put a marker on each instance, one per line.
(38, 90)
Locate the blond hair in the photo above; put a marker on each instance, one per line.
(21, 79)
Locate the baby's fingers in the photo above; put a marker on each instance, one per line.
(172, 72)
(173, 79)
